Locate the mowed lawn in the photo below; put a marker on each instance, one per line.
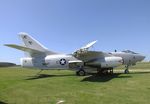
(22, 86)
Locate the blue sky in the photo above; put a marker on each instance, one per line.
(66, 25)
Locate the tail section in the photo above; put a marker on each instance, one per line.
(30, 42)
(32, 46)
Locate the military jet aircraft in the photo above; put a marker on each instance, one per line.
(82, 61)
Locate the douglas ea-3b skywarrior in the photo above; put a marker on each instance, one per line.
(82, 61)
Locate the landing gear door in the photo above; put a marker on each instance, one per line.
(75, 64)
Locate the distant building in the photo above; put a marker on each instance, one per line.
(6, 64)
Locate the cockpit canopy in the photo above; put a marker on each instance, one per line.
(128, 51)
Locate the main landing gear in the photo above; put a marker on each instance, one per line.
(81, 72)
(126, 71)
(40, 71)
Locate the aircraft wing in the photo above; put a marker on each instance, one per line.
(89, 45)
(85, 48)
(23, 48)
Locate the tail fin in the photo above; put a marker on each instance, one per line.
(32, 46)
(30, 42)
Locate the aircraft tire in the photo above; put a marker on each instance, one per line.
(126, 71)
(80, 73)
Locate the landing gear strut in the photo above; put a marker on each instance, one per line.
(126, 71)
(111, 71)
(40, 71)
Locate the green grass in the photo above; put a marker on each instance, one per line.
(21, 86)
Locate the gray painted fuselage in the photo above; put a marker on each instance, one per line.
(129, 58)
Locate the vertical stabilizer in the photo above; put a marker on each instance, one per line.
(30, 42)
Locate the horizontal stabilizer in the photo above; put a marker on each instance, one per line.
(23, 48)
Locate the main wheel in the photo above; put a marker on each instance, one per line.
(105, 72)
(80, 73)
(111, 71)
(126, 71)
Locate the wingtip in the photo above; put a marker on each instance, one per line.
(9, 45)
(96, 41)
(5, 44)
(23, 33)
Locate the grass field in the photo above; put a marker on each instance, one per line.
(21, 86)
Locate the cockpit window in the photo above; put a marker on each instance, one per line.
(128, 51)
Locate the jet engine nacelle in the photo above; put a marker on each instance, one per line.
(106, 62)
(27, 62)
(110, 62)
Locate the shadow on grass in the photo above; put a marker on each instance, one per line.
(3, 102)
(146, 72)
(91, 77)
(40, 76)
(104, 78)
